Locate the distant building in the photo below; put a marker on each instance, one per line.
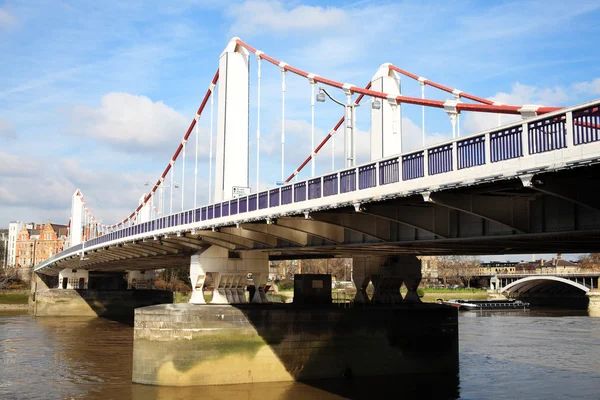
(497, 267)
(36, 245)
(3, 247)
(14, 228)
(556, 265)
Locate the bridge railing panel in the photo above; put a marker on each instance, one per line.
(225, 209)
(287, 195)
(506, 144)
(547, 135)
(586, 125)
(314, 188)
(274, 197)
(471, 152)
(439, 159)
(299, 191)
(413, 166)
(389, 171)
(217, 211)
(252, 202)
(210, 212)
(348, 181)
(330, 185)
(233, 207)
(243, 204)
(204, 214)
(263, 200)
(367, 176)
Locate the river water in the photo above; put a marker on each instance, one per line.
(503, 355)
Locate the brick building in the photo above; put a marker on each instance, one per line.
(38, 244)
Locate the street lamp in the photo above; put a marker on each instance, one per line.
(162, 188)
(349, 124)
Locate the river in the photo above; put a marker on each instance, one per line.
(503, 355)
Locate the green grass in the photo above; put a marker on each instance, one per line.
(20, 297)
(433, 296)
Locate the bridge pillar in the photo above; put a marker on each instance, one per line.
(363, 270)
(386, 121)
(232, 123)
(230, 275)
(594, 302)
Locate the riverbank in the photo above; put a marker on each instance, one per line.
(14, 300)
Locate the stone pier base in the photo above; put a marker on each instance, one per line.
(95, 303)
(594, 302)
(188, 344)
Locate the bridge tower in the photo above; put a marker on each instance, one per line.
(75, 229)
(232, 122)
(386, 121)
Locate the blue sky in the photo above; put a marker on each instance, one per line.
(96, 95)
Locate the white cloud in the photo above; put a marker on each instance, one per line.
(520, 94)
(590, 87)
(7, 130)
(132, 123)
(260, 16)
(7, 20)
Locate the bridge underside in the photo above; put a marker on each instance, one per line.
(551, 212)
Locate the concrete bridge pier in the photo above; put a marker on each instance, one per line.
(594, 302)
(364, 269)
(387, 273)
(230, 275)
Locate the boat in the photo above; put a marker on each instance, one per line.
(452, 303)
(476, 305)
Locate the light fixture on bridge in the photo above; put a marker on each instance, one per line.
(155, 238)
(321, 96)
(375, 104)
(193, 232)
(357, 206)
(178, 233)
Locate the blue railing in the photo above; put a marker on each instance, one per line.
(413, 166)
(543, 134)
(506, 144)
(440, 159)
(471, 152)
(586, 125)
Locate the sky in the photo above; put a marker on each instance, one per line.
(96, 96)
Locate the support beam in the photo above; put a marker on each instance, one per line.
(510, 211)
(279, 232)
(578, 191)
(357, 222)
(429, 217)
(323, 230)
(256, 237)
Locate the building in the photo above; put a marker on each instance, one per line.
(497, 267)
(3, 247)
(556, 265)
(14, 228)
(38, 244)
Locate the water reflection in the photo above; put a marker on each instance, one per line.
(537, 354)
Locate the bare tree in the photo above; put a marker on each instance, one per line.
(467, 268)
(446, 269)
(590, 262)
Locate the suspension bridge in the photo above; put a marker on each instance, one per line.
(520, 187)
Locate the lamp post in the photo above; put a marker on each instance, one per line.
(349, 125)
(162, 188)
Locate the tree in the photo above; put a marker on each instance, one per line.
(446, 268)
(467, 268)
(590, 262)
